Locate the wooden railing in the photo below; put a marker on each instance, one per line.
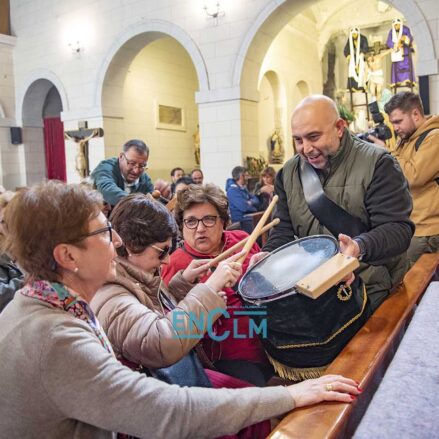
(365, 359)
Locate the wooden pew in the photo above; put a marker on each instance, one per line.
(365, 359)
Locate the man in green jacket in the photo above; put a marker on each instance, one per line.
(117, 177)
(363, 179)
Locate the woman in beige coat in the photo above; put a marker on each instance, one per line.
(136, 309)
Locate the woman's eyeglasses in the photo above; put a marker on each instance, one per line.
(164, 252)
(108, 228)
(208, 221)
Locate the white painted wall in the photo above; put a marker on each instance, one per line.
(34, 155)
(295, 43)
(266, 115)
(9, 170)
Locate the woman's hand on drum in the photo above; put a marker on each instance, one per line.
(256, 258)
(226, 274)
(325, 388)
(196, 269)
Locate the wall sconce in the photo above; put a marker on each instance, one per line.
(213, 9)
(76, 48)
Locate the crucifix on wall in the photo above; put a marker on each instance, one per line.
(81, 136)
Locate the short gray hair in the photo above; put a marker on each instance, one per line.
(139, 146)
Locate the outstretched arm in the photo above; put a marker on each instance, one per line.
(106, 183)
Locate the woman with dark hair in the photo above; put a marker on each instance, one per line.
(136, 310)
(59, 376)
(202, 214)
(264, 188)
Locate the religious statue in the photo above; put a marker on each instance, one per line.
(277, 152)
(355, 48)
(196, 137)
(400, 40)
(375, 73)
(255, 165)
(81, 157)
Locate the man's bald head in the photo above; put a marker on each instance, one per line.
(317, 129)
(317, 106)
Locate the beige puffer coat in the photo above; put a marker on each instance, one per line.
(138, 326)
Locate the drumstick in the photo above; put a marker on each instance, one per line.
(254, 235)
(240, 244)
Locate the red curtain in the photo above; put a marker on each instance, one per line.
(55, 149)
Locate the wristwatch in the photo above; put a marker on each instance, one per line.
(362, 248)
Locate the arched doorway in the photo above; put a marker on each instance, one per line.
(290, 37)
(275, 17)
(43, 133)
(148, 92)
(272, 111)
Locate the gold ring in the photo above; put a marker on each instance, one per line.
(328, 387)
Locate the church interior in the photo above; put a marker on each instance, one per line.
(235, 80)
(212, 85)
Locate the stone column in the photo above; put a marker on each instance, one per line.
(228, 133)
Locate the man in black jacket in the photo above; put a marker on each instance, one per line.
(365, 180)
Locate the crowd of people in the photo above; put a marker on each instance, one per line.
(101, 304)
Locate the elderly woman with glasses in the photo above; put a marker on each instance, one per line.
(202, 213)
(137, 311)
(59, 375)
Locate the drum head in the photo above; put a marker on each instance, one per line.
(277, 274)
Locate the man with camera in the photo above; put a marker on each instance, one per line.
(361, 190)
(380, 131)
(417, 153)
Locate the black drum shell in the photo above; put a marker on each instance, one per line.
(308, 324)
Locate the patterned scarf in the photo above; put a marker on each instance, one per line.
(61, 297)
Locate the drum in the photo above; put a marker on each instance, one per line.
(302, 335)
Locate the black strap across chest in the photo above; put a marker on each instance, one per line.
(330, 214)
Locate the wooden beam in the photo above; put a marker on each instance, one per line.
(5, 24)
(365, 359)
